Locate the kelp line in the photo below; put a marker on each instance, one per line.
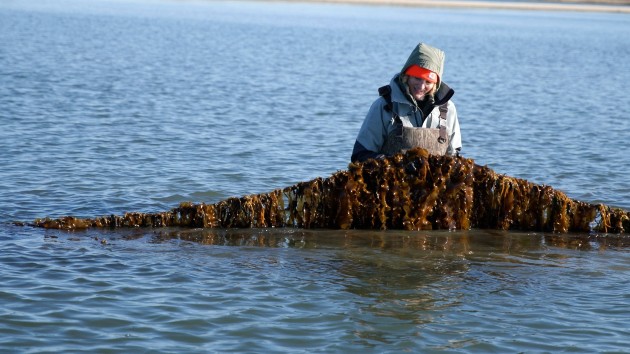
(411, 191)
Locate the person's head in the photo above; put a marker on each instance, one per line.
(420, 82)
(422, 73)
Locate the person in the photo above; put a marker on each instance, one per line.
(415, 101)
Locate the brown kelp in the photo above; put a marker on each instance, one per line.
(410, 191)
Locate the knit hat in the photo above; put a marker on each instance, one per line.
(422, 73)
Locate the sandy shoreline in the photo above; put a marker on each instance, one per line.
(615, 6)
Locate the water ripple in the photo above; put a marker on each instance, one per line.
(138, 106)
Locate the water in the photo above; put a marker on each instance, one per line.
(114, 106)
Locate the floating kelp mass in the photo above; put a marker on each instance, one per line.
(411, 191)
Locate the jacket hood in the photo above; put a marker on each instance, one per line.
(428, 57)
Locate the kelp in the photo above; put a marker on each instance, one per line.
(410, 191)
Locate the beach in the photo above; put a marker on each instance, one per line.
(614, 6)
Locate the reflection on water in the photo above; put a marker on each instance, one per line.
(352, 289)
(458, 243)
(433, 286)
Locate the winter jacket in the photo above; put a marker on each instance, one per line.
(379, 123)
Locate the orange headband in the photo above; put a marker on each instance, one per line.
(422, 73)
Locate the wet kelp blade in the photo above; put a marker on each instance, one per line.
(410, 191)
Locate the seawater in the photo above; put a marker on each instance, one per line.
(115, 106)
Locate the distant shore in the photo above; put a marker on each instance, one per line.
(618, 6)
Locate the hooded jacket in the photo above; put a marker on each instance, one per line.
(379, 123)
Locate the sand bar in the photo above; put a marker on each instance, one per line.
(616, 6)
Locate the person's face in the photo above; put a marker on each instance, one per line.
(419, 87)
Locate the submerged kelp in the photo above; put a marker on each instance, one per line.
(411, 191)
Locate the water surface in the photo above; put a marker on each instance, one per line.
(115, 106)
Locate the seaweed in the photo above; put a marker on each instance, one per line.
(408, 191)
